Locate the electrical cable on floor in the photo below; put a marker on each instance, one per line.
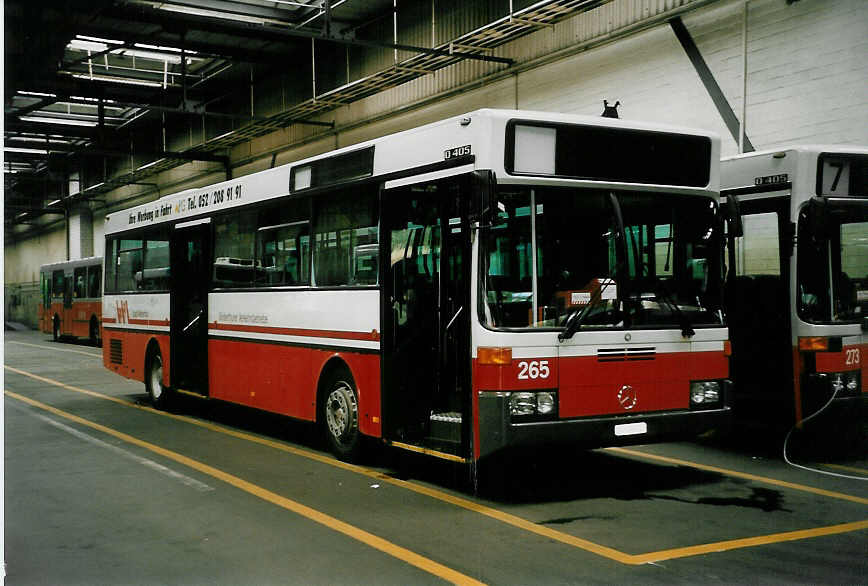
(808, 468)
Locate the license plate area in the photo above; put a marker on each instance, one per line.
(625, 429)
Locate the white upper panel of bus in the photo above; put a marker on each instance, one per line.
(481, 133)
(796, 164)
(71, 264)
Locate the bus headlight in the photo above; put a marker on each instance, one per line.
(705, 394)
(545, 403)
(842, 384)
(522, 404)
(533, 405)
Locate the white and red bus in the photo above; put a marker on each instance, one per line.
(495, 279)
(797, 291)
(71, 301)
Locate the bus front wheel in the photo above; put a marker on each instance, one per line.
(158, 393)
(339, 413)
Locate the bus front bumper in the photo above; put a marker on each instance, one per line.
(497, 432)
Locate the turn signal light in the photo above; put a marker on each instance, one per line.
(497, 356)
(814, 344)
(727, 348)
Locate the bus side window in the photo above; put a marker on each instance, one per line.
(344, 225)
(80, 290)
(94, 281)
(234, 250)
(284, 254)
(57, 284)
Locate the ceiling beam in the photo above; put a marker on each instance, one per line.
(259, 32)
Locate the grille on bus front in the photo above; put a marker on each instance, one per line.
(622, 354)
(116, 351)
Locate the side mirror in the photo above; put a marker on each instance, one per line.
(733, 217)
(817, 212)
(484, 193)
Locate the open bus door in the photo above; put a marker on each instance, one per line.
(758, 308)
(426, 314)
(190, 278)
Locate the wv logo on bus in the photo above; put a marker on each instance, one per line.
(123, 312)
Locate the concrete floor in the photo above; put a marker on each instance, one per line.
(100, 489)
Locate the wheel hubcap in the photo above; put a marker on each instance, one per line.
(341, 411)
(157, 379)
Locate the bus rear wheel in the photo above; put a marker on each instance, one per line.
(339, 414)
(158, 393)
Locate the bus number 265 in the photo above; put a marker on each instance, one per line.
(533, 369)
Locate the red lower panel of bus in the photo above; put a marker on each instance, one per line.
(589, 386)
(74, 321)
(124, 353)
(271, 377)
(283, 379)
(851, 357)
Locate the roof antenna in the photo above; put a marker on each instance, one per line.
(610, 111)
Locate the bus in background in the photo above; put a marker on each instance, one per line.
(496, 279)
(797, 289)
(71, 302)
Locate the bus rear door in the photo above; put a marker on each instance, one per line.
(190, 278)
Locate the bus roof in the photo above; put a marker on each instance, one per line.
(481, 133)
(785, 166)
(71, 264)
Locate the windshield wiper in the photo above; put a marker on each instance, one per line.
(574, 322)
(687, 330)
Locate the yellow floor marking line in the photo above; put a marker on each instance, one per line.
(507, 518)
(853, 469)
(54, 349)
(458, 501)
(736, 474)
(351, 531)
(721, 546)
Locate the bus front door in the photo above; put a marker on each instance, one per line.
(758, 312)
(189, 258)
(426, 335)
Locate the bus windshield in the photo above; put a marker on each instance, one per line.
(658, 267)
(833, 265)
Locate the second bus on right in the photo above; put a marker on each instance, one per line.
(797, 282)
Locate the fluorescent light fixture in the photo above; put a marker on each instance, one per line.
(123, 80)
(210, 13)
(101, 183)
(67, 121)
(99, 40)
(39, 139)
(51, 203)
(89, 46)
(151, 164)
(224, 135)
(37, 94)
(25, 150)
(152, 55)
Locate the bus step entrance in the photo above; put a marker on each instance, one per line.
(446, 427)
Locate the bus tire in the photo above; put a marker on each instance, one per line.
(157, 392)
(339, 414)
